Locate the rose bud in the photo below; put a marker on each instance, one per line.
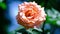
(30, 14)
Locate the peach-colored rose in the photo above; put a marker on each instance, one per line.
(30, 14)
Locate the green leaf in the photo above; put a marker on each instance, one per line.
(3, 5)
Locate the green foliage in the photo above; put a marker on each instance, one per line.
(24, 31)
(50, 21)
(3, 5)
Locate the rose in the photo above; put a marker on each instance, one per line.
(30, 14)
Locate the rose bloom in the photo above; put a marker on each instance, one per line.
(30, 14)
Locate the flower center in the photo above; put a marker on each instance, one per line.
(30, 13)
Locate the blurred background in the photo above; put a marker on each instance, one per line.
(9, 9)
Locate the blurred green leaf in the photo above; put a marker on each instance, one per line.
(3, 5)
